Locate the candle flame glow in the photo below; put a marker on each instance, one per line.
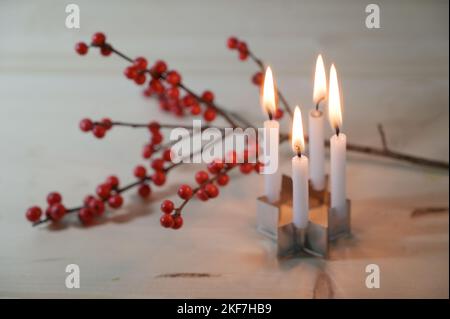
(320, 81)
(334, 101)
(298, 140)
(269, 95)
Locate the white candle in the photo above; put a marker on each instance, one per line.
(338, 146)
(337, 172)
(317, 149)
(272, 177)
(316, 129)
(300, 190)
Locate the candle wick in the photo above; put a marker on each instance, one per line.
(270, 115)
(318, 102)
(299, 154)
(337, 131)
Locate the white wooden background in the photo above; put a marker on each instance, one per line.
(397, 75)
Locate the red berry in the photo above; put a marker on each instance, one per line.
(164, 103)
(196, 109)
(242, 47)
(158, 164)
(86, 125)
(54, 198)
(157, 138)
(140, 63)
(85, 215)
(258, 78)
(166, 221)
(173, 93)
(212, 190)
(159, 178)
(106, 123)
(115, 201)
(201, 177)
(97, 206)
(223, 179)
(113, 181)
(208, 96)
(99, 131)
(103, 190)
(243, 56)
(210, 114)
(98, 38)
(105, 50)
(259, 167)
(57, 211)
(147, 151)
(160, 67)
(202, 195)
(34, 214)
(140, 79)
(144, 190)
(278, 114)
(147, 92)
(156, 86)
(188, 100)
(177, 222)
(167, 206)
(215, 166)
(88, 199)
(130, 72)
(173, 77)
(246, 168)
(154, 127)
(232, 42)
(140, 171)
(185, 191)
(167, 155)
(81, 48)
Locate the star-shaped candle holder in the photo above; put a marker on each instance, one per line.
(274, 220)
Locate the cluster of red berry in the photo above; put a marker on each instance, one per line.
(234, 43)
(98, 129)
(155, 140)
(163, 83)
(55, 210)
(217, 173)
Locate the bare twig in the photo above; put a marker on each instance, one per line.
(383, 136)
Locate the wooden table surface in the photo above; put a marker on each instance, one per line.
(396, 75)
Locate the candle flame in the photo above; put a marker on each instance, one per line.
(269, 95)
(320, 81)
(298, 140)
(334, 100)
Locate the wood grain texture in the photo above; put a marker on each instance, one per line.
(397, 75)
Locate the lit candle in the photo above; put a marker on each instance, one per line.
(337, 147)
(300, 192)
(316, 129)
(272, 180)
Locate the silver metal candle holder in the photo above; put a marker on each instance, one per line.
(274, 220)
